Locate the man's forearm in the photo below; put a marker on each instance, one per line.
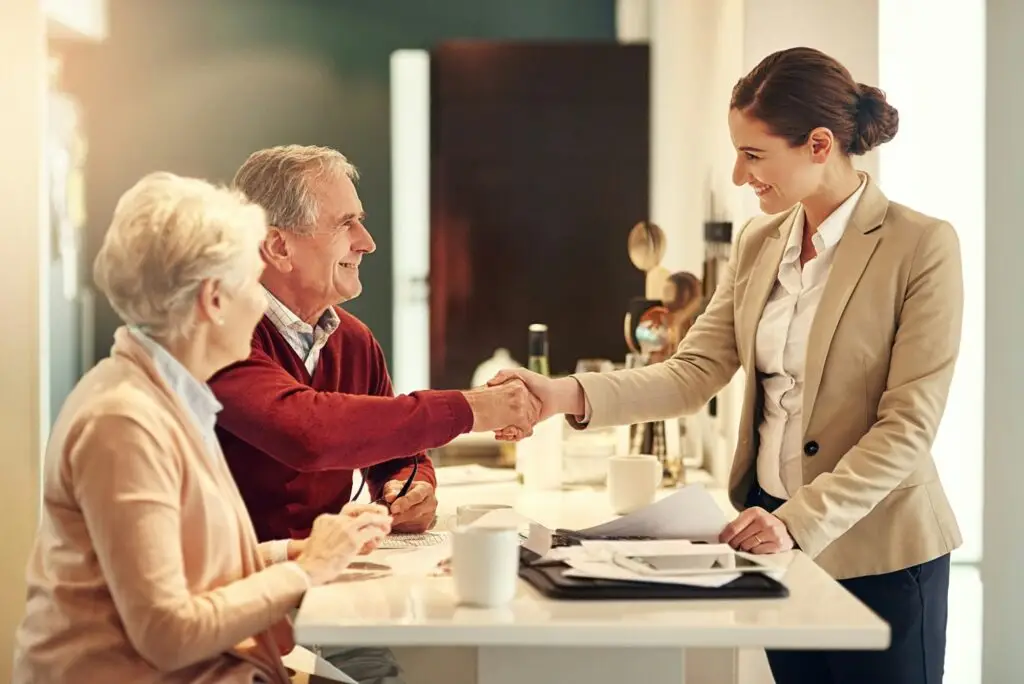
(312, 431)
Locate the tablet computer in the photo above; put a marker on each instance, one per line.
(698, 563)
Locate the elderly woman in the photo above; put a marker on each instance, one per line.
(146, 567)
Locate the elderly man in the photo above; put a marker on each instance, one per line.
(314, 402)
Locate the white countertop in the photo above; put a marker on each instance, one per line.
(418, 610)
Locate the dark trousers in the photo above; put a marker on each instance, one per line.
(914, 601)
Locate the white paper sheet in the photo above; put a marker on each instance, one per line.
(417, 561)
(658, 547)
(690, 513)
(539, 540)
(502, 517)
(602, 570)
(473, 473)
(303, 660)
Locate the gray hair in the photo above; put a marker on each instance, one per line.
(282, 181)
(168, 235)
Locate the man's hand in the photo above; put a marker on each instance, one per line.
(414, 512)
(755, 530)
(507, 405)
(564, 395)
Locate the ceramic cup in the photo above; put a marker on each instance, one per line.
(485, 565)
(632, 482)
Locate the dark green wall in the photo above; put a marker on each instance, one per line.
(193, 86)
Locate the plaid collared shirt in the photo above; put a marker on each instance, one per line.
(306, 340)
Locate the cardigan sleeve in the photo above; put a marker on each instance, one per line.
(397, 468)
(129, 488)
(311, 430)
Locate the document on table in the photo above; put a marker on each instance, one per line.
(471, 474)
(690, 513)
(608, 571)
(315, 668)
(595, 560)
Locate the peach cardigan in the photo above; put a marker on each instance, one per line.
(146, 568)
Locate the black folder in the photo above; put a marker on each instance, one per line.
(549, 579)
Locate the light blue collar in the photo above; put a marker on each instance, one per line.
(196, 395)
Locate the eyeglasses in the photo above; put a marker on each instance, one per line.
(402, 492)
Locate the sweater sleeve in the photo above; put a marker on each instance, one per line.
(128, 487)
(311, 430)
(397, 468)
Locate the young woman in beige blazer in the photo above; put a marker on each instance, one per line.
(146, 567)
(844, 311)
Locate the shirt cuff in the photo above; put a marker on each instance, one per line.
(277, 551)
(585, 418)
(295, 567)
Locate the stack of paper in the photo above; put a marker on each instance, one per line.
(686, 516)
(594, 560)
(690, 513)
(472, 473)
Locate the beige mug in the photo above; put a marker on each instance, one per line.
(633, 482)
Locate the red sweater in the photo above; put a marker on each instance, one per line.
(292, 441)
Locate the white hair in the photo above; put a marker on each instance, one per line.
(282, 180)
(168, 235)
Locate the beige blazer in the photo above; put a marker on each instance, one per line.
(879, 363)
(145, 567)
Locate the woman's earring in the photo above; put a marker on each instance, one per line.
(220, 321)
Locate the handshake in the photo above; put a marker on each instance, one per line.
(514, 401)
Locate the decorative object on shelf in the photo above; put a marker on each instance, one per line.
(683, 300)
(653, 327)
(501, 360)
(646, 247)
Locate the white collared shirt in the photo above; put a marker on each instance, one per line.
(306, 341)
(781, 348)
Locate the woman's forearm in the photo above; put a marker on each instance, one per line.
(281, 550)
(569, 397)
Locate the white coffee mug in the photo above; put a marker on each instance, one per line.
(632, 482)
(485, 565)
(467, 514)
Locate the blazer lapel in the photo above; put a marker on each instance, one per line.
(763, 276)
(852, 256)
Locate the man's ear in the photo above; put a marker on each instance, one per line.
(276, 250)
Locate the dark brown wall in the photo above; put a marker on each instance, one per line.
(539, 170)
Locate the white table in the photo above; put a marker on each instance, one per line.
(535, 639)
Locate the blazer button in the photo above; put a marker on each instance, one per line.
(811, 448)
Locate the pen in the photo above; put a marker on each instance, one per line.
(401, 492)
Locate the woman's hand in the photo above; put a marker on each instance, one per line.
(353, 510)
(336, 539)
(755, 530)
(564, 395)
